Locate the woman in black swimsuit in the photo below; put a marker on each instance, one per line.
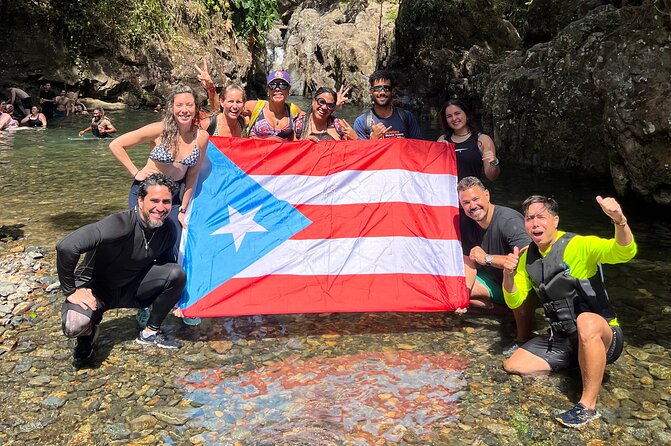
(35, 118)
(476, 153)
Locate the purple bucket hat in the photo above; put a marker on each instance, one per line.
(278, 75)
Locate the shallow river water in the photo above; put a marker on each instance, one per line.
(322, 379)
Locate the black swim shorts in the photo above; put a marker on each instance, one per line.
(562, 352)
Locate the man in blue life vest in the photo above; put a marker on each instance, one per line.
(384, 120)
(487, 236)
(565, 271)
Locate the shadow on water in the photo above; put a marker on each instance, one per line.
(69, 221)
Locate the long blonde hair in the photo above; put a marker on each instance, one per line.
(170, 130)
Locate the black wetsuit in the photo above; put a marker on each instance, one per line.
(126, 265)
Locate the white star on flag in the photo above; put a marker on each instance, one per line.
(239, 225)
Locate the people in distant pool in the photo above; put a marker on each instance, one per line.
(384, 120)
(158, 108)
(47, 99)
(319, 124)
(62, 103)
(564, 270)
(9, 110)
(78, 107)
(101, 126)
(21, 99)
(35, 119)
(475, 151)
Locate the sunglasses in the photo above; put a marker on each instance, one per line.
(278, 84)
(379, 88)
(322, 103)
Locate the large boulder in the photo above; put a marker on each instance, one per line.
(597, 97)
(335, 43)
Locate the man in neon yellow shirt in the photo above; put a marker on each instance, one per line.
(564, 269)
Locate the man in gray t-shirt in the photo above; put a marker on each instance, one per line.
(490, 235)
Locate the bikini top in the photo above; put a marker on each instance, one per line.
(161, 154)
(263, 129)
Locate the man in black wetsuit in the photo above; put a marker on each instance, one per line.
(128, 263)
(47, 99)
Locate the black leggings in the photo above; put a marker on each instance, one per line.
(160, 287)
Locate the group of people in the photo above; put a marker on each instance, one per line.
(510, 258)
(21, 111)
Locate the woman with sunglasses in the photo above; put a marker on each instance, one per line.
(271, 119)
(319, 124)
(476, 153)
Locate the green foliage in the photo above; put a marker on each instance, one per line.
(252, 18)
(88, 26)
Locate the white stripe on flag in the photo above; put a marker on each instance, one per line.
(353, 186)
(366, 255)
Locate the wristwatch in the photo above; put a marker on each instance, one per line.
(494, 163)
(489, 259)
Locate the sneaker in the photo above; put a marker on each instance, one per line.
(142, 317)
(512, 349)
(193, 321)
(577, 416)
(159, 339)
(84, 345)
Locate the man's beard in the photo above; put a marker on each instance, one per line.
(150, 223)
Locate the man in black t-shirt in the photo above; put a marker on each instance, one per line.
(47, 100)
(128, 263)
(489, 236)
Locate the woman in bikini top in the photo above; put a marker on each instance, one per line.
(275, 121)
(177, 149)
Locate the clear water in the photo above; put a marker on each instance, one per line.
(51, 185)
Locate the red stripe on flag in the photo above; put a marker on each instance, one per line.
(261, 157)
(283, 294)
(380, 220)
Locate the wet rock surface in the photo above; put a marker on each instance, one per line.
(323, 379)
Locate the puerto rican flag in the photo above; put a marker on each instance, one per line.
(342, 226)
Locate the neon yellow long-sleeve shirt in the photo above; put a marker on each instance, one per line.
(582, 255)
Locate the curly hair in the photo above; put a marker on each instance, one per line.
(170, 130)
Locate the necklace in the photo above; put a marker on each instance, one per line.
(146, 243)
(461, 136)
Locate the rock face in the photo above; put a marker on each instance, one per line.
(599, 92)
(335, 42)
(132, 75)
(583, 86)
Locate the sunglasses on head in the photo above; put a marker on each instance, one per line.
(278, 84)
(379, 88)
(322, 103)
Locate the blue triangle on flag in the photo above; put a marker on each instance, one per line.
(212, 255)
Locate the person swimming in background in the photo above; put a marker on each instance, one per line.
(319, 124)
(100, 126)
(158, 108)
(35, 119)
